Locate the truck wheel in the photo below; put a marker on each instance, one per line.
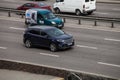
(57, 10)
(78, 12)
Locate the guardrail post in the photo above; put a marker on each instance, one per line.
(22, 15)
(112, 24)
(9, 15)
(95, 24)
(64, 20)
(79, 21)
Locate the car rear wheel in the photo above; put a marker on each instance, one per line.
(77, 12)
(53, 47)
(28, 44)
(57, 11)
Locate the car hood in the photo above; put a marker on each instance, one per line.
(56, 20)
(64, 37)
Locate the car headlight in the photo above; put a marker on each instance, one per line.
(60, 40)
(53, 22)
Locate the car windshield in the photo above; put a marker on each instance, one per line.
(49, 15)
(55, 32)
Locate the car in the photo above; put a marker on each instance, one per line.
(40, 5)
(47, 36)
(42, 17)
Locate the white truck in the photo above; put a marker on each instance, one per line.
(75, 6)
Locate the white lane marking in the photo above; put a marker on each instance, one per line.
(116, 9)
(108, 64)
(71, 26)
(108, 39)
(46, 54)
(83, 46)
(3, 47)
(101, 13)
(17, 28)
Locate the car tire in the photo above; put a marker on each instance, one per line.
(53, 47)
(28, 44)
(77, 12)
(57, 11)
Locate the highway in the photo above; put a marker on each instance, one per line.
(95, 51)
(103, 10)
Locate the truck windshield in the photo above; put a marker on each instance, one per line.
(49, 15)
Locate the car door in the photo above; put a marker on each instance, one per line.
(27, 6)
(61, 5)
(44, 39)
(34, 36)
(90, 4)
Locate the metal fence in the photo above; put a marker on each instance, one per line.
(95, 19)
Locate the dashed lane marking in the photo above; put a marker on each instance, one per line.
(71, 26)
(17, 28)
(83, 46)
(108, 64)
(101, 13)
(3, 47)
(108, 39)
(52, 55)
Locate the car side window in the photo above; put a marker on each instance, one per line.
(43, 33)
(86, 0)
(35, 32)
(40, 16)
(59, 0)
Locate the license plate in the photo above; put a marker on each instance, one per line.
(69, 44)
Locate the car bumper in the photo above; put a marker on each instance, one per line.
(88, 11)
(65, 46)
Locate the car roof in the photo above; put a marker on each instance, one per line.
(42, 11)
(43, 27)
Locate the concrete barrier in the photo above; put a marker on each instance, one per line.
(19, 66)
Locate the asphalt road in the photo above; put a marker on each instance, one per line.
(95, 51)
(103, 10)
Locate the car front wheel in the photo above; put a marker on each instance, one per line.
(53, 47)
(28, 44)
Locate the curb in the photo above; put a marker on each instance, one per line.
(49, 70)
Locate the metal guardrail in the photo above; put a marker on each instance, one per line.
(79, 18)
(12, 10)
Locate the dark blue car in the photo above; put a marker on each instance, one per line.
(47, 36)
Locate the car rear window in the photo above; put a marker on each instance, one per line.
(86, 0)
(92, 0)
